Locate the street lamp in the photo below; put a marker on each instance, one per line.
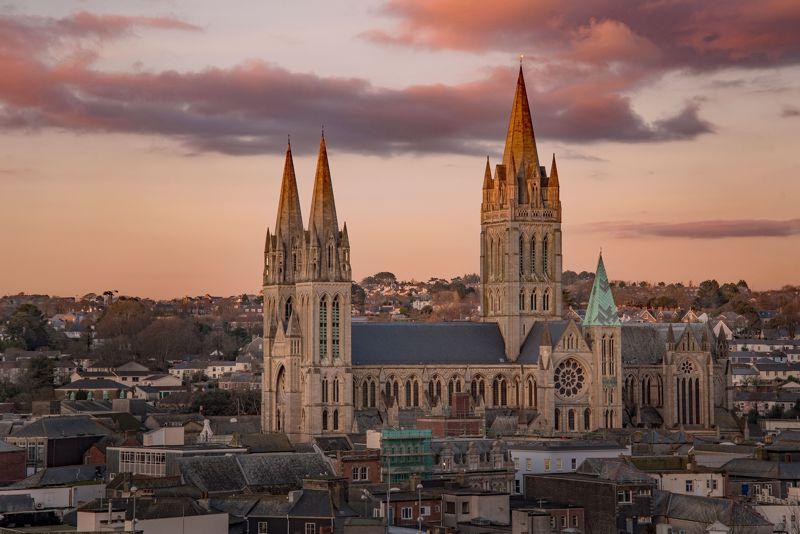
(133, 518)
(419, 508)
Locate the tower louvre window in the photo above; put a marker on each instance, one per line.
(521, 299)
(287, 310)
(335, 390)
(545, 253)
(521, 256)
(532, 265)
(323, 327)
(335, 328)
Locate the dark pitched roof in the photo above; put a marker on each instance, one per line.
(613, 469)
(61, 427)
(63, 476)
(706, 510)
(93, 383)
(529, 353)
(269, 442)
(426, 343)
(231, 474)
(750, 468)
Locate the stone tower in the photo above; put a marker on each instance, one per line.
(520, 234)
(603, 332)
(307, 388)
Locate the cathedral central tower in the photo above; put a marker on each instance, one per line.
(520, 233)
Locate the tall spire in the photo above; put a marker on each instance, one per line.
(602, 310)
(553, 181)
(520, 141)
(290, 219)
(323, 207)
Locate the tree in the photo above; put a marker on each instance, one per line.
(8, 390)
(709, 295)
(214, 402)
(169, 338)
(27, 328)
(776, 412)
(40, 373)
(752, 416)
(124, 318)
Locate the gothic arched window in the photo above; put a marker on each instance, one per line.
(323, 327)
(371, 394)
(521, 300)
(534, 300)
(416, 393)
(571, 420)
(587, 418)
(408, 392)
(546, 300)
(335, 327)
(325, 390)
(557, 419)
(336, 419)
(335, 390)
(324, 419)
(365, 394)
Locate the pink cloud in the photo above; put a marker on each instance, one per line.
(251, 107)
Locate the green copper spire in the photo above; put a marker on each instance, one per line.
(602, 311)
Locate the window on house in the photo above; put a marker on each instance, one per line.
(450, 507)
(690, 486)
(311, 528)
(573, 464)
(425, 511)
(355, 475)
(548, 464)
(529, 464)
(624, 496)
(405, 512)
(563, 521)
(552, 522)
(559, 464)
(263, 528)
(517, 486)
(465, 507)
(575, 521)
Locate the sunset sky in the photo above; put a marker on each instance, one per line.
(141, 143)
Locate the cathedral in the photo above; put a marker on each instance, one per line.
(324, 375)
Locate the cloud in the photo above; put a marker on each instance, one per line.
(249, 108)
(790, 111)
(713, 229)
(686, 34)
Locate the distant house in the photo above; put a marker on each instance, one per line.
(90, 389)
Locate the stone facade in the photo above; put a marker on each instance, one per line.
(523, 365)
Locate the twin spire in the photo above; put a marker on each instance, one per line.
(322, 219)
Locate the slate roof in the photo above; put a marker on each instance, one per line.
(613, 469)
(529, 352)
(761, 469)
(705, 510)
(427, 343)
(234, 473)
(93, 383)
(61, 427)
(645, 343)
(269, 442)
(63, 476)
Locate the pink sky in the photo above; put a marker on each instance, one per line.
(141, 144)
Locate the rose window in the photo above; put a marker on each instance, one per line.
(686, 367)
(569, 378)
